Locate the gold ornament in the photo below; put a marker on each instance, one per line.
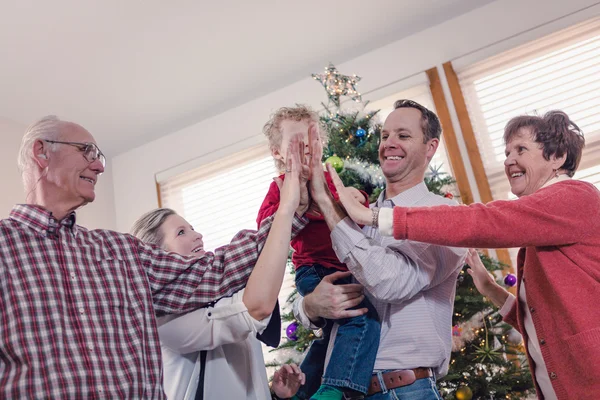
(463, 393)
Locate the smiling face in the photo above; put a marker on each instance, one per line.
(69, 176)
(180, 237)
(525, 166)
(403, 152)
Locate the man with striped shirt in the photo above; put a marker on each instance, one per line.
(412, 285)
(77, 307)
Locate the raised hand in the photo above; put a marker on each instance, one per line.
(484, 281)
(318, 185)
(294, 191)
(354, 208)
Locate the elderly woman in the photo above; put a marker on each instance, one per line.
(233, 366)
(556, 221)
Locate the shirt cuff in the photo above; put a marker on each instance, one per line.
(225, 308)
(510, 300)
(300, 315)
(386, 221)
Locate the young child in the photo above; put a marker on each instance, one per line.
(348, 373)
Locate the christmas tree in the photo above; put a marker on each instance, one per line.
(487, 356)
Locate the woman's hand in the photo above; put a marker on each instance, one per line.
(294, 190)
(287, 380)
(354, 208)
(484, 280)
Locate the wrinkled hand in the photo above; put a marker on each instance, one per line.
(334, 301)
(287, 380)
(354, 208)
(482, 278)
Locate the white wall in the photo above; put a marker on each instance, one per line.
(99, 214)
(12, 188)
(134, 172)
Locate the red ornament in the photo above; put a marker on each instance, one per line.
(449, 195)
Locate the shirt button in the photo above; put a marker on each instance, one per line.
(531, 310)
(542, 341)
(209, 314)
(72, 275)
(553, 375)
(100, 389)
(91, 346)
(81, 310)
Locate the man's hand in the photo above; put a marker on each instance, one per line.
(287, 380)
(334, 301)
(353, 207)
(357, 194)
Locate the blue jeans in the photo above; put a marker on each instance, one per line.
(357, 341)
(421, 389)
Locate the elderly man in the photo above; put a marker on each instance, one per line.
(412, 285)
(77, 307)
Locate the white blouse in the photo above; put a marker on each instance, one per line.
(235, 368)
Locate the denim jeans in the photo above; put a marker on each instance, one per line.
(357, 341)
(421, 389)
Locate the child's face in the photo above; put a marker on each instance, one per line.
(289, 128)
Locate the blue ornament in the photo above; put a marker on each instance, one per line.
(510, 280)
(360, 132)
(290, 331)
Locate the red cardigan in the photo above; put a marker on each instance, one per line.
(313, 244)
(559, 228)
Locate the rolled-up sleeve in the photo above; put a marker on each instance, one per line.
(228, 321)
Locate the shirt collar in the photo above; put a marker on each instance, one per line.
(406, 198)
(556, 179)
(42, 220)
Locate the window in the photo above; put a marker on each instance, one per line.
(559, 71)
(221, 198)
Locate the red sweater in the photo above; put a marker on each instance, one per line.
(559, 228)
(313, 244)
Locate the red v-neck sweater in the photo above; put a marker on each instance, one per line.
(558, 228)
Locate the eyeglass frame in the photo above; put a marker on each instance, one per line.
(83, 147)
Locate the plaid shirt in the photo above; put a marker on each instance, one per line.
(77, 307)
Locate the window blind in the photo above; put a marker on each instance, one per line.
(558, 71)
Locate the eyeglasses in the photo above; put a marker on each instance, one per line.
(90, 151)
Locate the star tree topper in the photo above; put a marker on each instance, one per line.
(337, 85)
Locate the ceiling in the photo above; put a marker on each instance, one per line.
(131, 71)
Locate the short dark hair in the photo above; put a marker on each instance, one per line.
(557, 134)
(430, 123)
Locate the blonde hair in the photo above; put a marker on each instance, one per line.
(148, 227)
(272, 129)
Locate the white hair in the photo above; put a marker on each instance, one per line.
(47, 127)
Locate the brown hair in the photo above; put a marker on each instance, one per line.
(272, 129)
(556, 133)
(430, 123)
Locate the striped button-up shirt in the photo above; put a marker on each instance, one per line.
(77, 307)
(412, 286)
